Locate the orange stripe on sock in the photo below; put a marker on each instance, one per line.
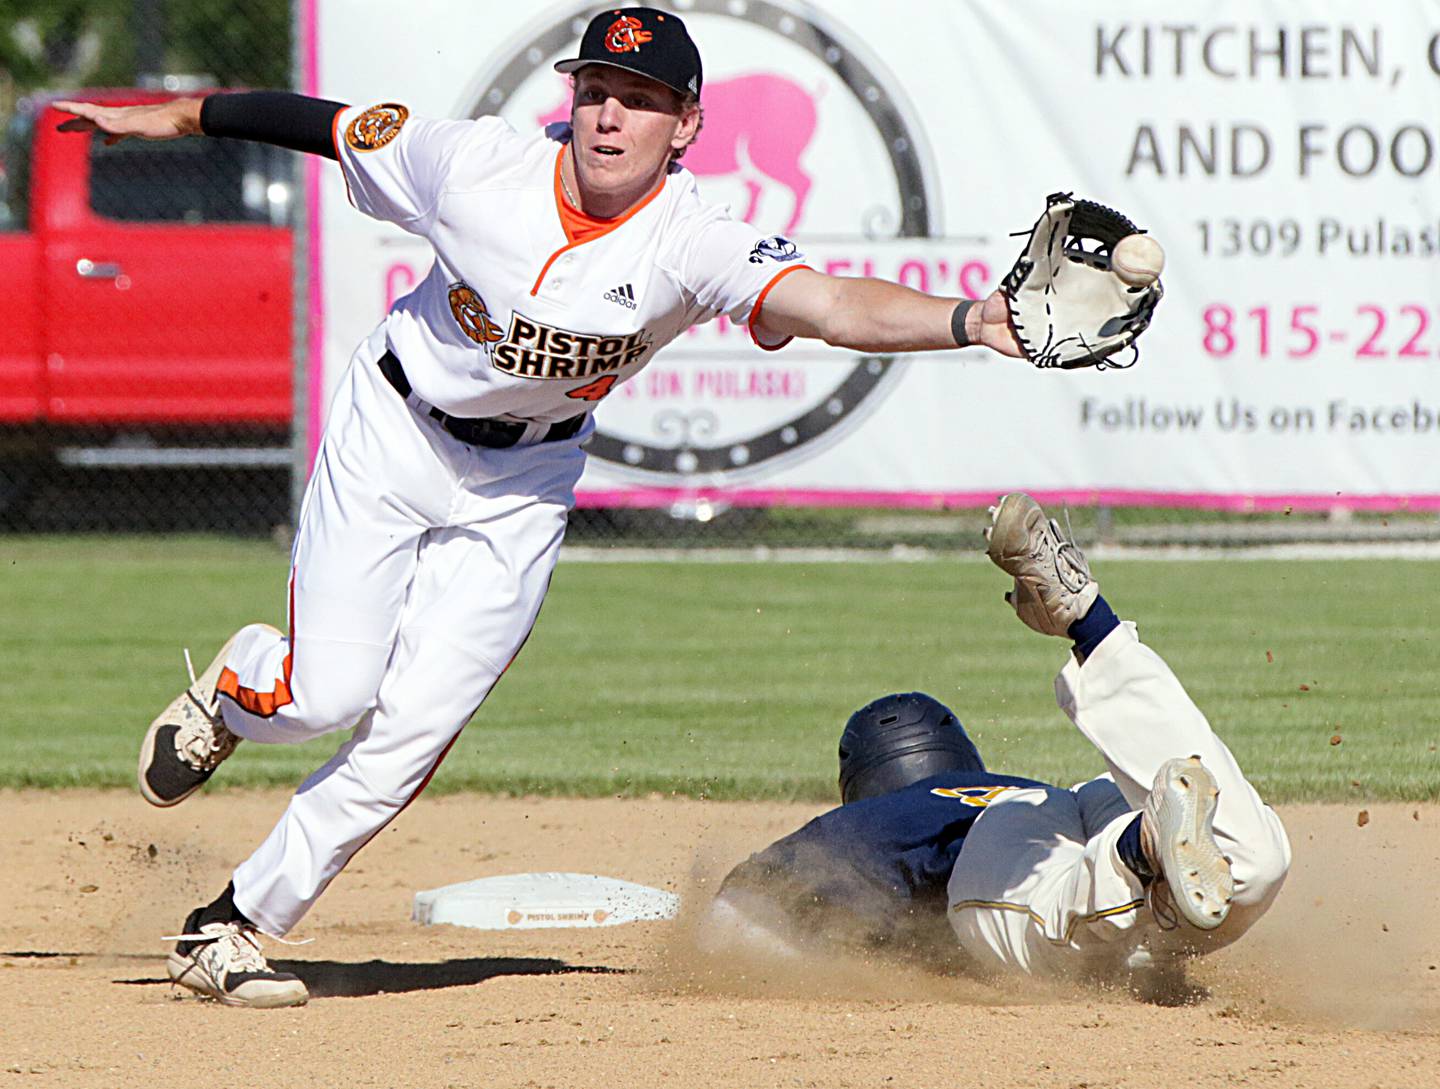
(256, 702)
(263, 704)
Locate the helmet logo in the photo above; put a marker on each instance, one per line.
(625, 36)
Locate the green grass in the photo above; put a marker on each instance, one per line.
(733, 680)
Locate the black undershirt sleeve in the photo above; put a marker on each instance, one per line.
(281, 118)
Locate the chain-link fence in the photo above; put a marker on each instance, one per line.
(147, 362)
(146, 365)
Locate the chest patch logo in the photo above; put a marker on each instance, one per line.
(376, 127)
(625, 36)
(980, 797)
(472, 315)
(532, 349)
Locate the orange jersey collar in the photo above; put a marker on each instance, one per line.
(580, 227)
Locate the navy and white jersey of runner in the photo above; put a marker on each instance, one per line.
(875, 870)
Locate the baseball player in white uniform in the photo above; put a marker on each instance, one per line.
(1168, 854)
(439, 497)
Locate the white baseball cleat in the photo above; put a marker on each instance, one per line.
(188, 741)
(1053, 587)
(1178, 838)
(223, 961)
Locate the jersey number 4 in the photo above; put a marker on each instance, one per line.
(595, 390)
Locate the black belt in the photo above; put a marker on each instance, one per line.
(478, 430)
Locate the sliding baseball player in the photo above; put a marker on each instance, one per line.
(1170, 853)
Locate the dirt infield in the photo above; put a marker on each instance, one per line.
(1339, 986)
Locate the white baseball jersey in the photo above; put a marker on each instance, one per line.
(522, 315)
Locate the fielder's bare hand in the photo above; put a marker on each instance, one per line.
(159, 121)
(989, 324)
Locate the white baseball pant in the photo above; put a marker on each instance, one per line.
(1039, 887)
(418, 570)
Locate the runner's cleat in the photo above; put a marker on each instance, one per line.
(1053, 587)
(1178, 838)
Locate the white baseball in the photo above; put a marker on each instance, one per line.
(1138, 260)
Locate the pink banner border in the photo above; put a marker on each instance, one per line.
(1115, 497)
(315, 294)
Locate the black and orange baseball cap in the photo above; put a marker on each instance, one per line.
(642, 40)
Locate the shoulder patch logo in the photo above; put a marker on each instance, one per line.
(776, 248)
(376, 127)
(625, 36)
(472, 315)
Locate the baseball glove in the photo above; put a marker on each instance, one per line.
(1067, 308)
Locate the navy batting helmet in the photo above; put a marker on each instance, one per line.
(898, 740)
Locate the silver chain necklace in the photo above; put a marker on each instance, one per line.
(569, 195)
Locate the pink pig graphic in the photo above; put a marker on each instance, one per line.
(757, 127)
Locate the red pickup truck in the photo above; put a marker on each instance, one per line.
(146, 292)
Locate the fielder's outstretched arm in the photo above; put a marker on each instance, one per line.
(871, 315)
(287, 120)
(863, 314)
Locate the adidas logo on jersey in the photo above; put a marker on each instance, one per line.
(624, 295)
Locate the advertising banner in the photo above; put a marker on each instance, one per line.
(1287, 156)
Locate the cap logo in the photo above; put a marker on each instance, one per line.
(625, 36)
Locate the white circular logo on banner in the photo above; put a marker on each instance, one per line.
(804, 136)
